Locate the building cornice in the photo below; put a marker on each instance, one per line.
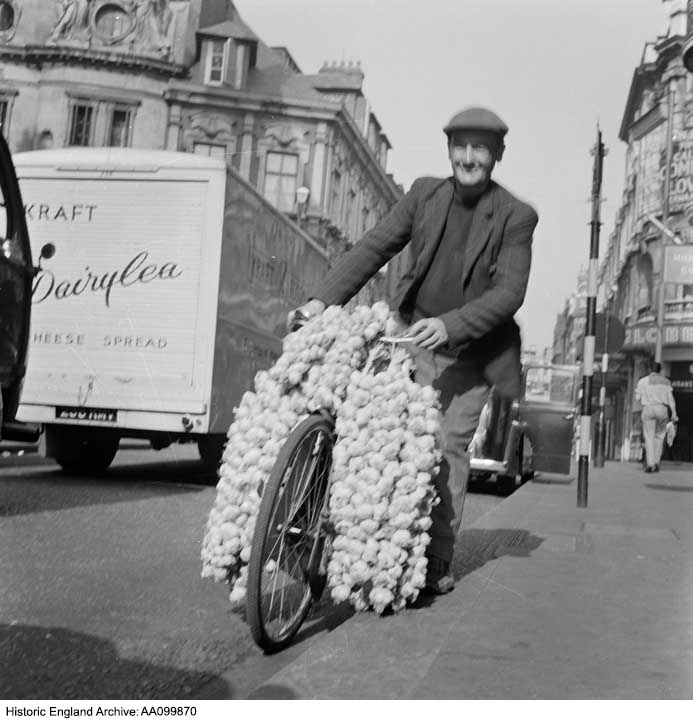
(326, 111)
(38, 55)
(641, 75)
(668, 65)
(226, 97)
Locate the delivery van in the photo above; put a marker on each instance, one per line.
(169, 290)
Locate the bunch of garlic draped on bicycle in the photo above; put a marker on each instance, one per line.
(327, 476)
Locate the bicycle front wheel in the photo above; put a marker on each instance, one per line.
(287, 535)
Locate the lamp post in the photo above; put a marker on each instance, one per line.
(599, 152)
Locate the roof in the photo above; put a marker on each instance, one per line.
(235, 29)
(123, 159)
(271, 76)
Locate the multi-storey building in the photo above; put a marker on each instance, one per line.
(569, 328)
(657, 127)
(190, 75)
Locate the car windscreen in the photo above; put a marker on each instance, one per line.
(550, 385)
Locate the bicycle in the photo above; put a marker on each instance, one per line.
(291, 533)
(287, 570)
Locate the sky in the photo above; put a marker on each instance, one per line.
(551, 69)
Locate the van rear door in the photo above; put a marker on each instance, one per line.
(548, 410)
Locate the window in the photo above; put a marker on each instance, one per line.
(336, 204)
(7, 16)
(107, 121)
(550, 385)
(350, 213)
(81, 124)
(120, 132)
(112, 23)
(216, 61)
(280, 180)
(210, 149)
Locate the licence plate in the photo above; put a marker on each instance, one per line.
(85, 413)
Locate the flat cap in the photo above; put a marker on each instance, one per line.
(476, 118)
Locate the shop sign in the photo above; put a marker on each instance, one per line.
(679, 264)
(681, 177)
(682, 384)
(645, 336)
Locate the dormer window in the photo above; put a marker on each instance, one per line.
(228, 53)
(217, 61)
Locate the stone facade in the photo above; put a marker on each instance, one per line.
(569, 329)
(190, 75)
(659, 109)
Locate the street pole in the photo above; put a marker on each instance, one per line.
(590, 325)
(665, 218)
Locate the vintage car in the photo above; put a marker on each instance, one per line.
(515, 440)
(16, 276)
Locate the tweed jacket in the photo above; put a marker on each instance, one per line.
(495, 270)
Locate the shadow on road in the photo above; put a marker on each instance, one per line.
(668, 487)
(56, 663)
(53, 490)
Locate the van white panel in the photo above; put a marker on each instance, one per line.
(124, 314)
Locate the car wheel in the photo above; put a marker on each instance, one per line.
(83, 451)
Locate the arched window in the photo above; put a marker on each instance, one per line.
(6, 15)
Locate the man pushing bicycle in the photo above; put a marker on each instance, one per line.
(470, 253)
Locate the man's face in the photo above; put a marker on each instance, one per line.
(473, 154)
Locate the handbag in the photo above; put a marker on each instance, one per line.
(670, 433)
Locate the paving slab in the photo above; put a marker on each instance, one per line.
(552, 602)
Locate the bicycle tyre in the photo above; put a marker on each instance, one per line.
(307, 449)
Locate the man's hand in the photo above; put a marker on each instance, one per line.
(429, 333)
(309, 309)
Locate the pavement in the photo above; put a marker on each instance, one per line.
(552, 602)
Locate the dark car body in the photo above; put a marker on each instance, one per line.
(16, 276)
(532, 434)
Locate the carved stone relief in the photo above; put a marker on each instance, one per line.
(143, 26)
(73, 16)
(205, 127)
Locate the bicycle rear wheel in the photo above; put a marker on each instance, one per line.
(287, 536)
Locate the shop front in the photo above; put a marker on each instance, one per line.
(677, 364)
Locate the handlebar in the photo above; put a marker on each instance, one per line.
(298, 320)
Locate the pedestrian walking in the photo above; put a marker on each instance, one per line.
(656, 397)
(470, 252)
